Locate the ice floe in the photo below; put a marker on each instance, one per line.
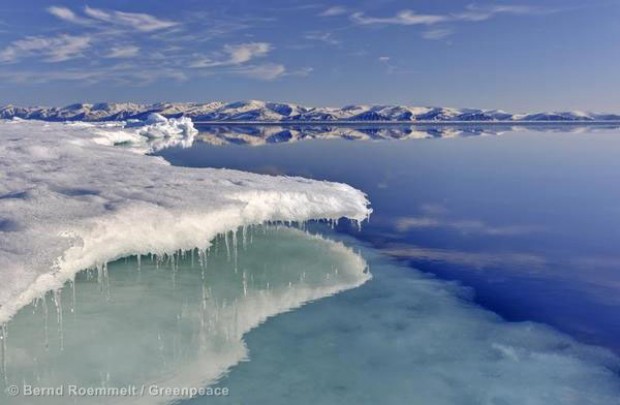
(70, 200)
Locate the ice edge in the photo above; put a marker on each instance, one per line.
(169, 226)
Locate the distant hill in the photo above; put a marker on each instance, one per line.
(261, 111)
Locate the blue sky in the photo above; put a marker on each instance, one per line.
(515, 55)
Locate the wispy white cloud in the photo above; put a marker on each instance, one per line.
(267, 71)
(127, 51)
(245, 52)
(391, 67)
(118, 74)
(52, 49)
(166, 50)
(302, 72)
(333, 11)
(271, 71)
(68, 15)
(138, 21)
(134, 21)
(472, 13)
(232, 55)
(437, 33)
(239, 60)
(477, 13)
(326, 37)
(404, 17)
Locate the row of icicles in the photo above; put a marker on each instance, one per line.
(100, 272)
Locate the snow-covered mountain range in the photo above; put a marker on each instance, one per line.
(261, 111)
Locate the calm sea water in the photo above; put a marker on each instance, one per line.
(530, 220)
(488, 274)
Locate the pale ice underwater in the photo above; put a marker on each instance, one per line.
(200, 291)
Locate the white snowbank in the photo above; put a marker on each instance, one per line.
(69, 201)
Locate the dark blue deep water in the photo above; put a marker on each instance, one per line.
(530, 220)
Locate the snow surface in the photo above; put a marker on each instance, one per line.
(70, 201)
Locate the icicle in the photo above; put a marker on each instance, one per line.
(216, 244)
(106, 279)
(235, 251)
(3, 352)
(45, 324)
(227, 246)
(99, 276)
(205, 298)
(202, 261)
(139, 262)
(245, 284)
(173, 260)
(244, 239)
(56, 294)
(73, 300)
(35, 305)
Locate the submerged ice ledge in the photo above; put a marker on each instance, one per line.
(189, 311)
(69, 201)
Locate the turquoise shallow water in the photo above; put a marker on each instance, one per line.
(237, 325)
(170, 321)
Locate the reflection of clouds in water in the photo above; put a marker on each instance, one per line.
(434, 215)
(609, 262)
(405, 224)
(480, 260)
(433, 209)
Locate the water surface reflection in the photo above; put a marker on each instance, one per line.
(529, 219)
(173, 321)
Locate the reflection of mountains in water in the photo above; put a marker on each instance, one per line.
(270, 134)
